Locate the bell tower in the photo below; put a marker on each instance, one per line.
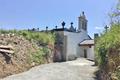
(82, 22)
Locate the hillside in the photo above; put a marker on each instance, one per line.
(29, 49)
(108, 54)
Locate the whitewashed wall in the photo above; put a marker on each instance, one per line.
(73, 39)
(82, 50)
(90, 53)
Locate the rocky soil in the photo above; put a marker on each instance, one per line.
(19, 61)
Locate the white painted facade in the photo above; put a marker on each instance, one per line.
(90, 52)
(73, 48)
(71, 40)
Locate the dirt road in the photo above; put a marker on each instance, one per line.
(80, 69)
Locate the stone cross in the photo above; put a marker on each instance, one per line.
(46, 28)
(71, 23)
(56, 27)
(106, 28)
(63, 24)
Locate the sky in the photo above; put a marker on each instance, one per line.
(24, 14)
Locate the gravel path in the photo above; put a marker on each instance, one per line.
(80, 69)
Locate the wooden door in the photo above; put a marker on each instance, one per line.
(85, 53)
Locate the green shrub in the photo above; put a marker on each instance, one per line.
(2, 31)
(40, 56)
(42, 37)
(117, 73)
(39, 38)
(108, 40)
(37, 57)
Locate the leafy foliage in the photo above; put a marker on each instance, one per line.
(115, 15)
(117, 73)
(42, 39)
(107, 48)
(111, 39)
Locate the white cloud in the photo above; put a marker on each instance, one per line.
(99, 28)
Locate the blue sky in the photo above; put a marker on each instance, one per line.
(23, 14)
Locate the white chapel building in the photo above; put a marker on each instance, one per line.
(72, 43)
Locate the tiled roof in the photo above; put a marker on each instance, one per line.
(87, 42)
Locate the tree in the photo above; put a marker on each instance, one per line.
(115, 15)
